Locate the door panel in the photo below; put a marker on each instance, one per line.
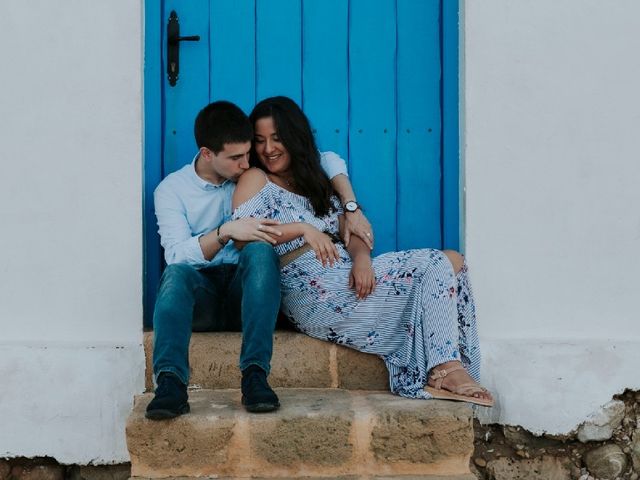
(418, 110)
(279, 49)
(372, 116)
(325, 73)
(232, 52)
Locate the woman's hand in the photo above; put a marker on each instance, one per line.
(326, 251)
(362, 277)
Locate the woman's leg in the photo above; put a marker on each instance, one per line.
(467, 333)
(467, 330)
(467, 327)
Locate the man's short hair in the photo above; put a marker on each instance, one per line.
(219, 123)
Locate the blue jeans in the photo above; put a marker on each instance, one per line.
(243, 297)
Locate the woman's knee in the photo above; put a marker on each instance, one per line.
(456, 259)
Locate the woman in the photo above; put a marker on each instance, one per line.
(413, 308)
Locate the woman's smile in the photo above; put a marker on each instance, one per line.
(271, 152)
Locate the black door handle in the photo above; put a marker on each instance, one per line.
(173, 47)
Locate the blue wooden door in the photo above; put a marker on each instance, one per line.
(377, 78)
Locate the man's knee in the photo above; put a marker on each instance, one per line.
(178, 274)
(456, 259)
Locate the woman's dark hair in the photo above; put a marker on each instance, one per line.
(294, 131)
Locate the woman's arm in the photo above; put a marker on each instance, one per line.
(249, 184)
(362, 277)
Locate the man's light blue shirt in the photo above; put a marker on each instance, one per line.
(188, 207)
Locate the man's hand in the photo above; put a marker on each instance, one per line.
(362, 277)
(357, 224)
(250, 230)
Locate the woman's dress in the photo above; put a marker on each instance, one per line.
(421, 314)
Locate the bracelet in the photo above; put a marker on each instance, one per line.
(220, 241)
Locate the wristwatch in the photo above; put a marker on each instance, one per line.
(351, 206)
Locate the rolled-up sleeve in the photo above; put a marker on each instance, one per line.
(180, 245)
(333, 164)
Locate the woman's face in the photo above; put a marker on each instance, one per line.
(271, 152)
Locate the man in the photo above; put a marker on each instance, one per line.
(208, 284)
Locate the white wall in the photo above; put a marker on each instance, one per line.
(551, 121)
(70, 213)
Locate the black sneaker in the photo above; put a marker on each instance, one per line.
(170, 400)
(257, 395)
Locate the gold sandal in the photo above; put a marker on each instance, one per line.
(461, 393)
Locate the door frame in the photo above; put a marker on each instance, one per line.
(154, 84)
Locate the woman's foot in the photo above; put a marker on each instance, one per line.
(450, 381)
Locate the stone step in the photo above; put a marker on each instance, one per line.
(323, 433)
(299, 361)
(341, 477)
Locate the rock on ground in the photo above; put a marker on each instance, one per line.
(600, 425)
(635, 450)
(545, 468)
(606, 462)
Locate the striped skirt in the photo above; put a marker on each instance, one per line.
(420, 315)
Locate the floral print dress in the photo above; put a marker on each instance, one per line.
(421, 314)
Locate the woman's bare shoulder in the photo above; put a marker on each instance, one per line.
(249, 183)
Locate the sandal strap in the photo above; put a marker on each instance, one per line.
(468, 389)
(438, 375)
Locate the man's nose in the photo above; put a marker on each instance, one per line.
(245, 162)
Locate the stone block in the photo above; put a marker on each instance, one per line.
(419, 431)
(147, 342)
(544, 468)
(187, 445)
(298, 361)
(360, 371)
(213, 360)
(312, 429)
(334, 477)
(330, 433)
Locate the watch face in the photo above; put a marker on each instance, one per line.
(351, 206)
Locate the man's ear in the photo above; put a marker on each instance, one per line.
(205, 153)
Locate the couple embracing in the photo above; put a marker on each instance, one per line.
(261, 218)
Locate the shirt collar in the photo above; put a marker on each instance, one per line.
(201, 182)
